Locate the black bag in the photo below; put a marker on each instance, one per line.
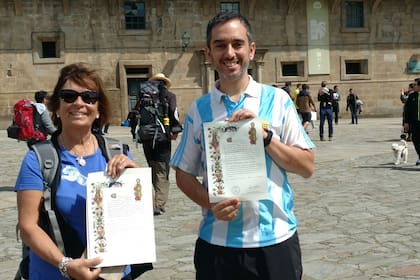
(153, 108)
(13, 131)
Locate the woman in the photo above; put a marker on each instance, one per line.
(79, 106)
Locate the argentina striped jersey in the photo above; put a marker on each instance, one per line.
(259, 223)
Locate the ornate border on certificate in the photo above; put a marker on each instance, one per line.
(99, 220)
(216, 166)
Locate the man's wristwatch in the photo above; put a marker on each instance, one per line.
(267, 140)
(62, 267)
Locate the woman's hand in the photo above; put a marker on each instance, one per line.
(118, 163)
(84, 268)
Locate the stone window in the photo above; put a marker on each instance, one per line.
(230, 7)
(355, 68)
(134, 13)
(47, 47)
(290, 70)
(354, 16)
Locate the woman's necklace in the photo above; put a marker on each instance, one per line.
(79, 158)
(81, 161)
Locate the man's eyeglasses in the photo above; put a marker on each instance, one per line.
(69, 96)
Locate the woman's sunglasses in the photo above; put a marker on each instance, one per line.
(69, 96)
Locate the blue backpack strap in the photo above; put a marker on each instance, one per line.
(48, 164)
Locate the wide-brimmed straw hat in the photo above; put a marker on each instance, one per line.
(162, 77)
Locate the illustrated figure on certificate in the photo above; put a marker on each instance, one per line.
(252, 134)
(137, 190)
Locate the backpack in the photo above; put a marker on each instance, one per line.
(51, 221)
(153, 108)
(26, 124)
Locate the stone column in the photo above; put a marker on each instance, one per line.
(259, 63)
(206, 72)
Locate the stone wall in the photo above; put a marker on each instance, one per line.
(93, 32)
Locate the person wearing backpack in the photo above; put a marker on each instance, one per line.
(325, 111)
(78, 105)
(45, 123)
(157, 149)
(31, 120)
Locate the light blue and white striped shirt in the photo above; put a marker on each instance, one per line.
(259, 223)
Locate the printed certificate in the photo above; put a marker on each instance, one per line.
(235, 160)
(119, 218)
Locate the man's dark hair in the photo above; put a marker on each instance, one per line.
(305, 87)
(40, 95)
(323, 83)
(288, 84)
(223, 17)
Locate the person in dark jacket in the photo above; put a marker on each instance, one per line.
(325, 111)
(403, 97)
(336, 103)
(352, 105)
(412, 117)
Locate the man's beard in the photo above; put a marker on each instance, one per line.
(238, 76)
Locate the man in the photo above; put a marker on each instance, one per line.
(353, 106)
(325, 111)
(403, 97)
(244, 239)
(306, 106)
(295, 94)
(288, 88)
(412, 117)
(40, 105)
(336, 103)
(158, 153)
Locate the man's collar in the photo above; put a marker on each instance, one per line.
(251, 90)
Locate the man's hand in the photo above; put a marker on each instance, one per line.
(241, 114)
(226, 210)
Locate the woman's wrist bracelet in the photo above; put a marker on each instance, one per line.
(267, 140)
(62, 267)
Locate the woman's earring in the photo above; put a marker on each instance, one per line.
(97, 116)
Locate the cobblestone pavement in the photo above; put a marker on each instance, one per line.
(359, 214)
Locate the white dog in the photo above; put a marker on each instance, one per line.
(400, 152)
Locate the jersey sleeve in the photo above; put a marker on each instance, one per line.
(188, 153)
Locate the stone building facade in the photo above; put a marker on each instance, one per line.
(372, 46)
